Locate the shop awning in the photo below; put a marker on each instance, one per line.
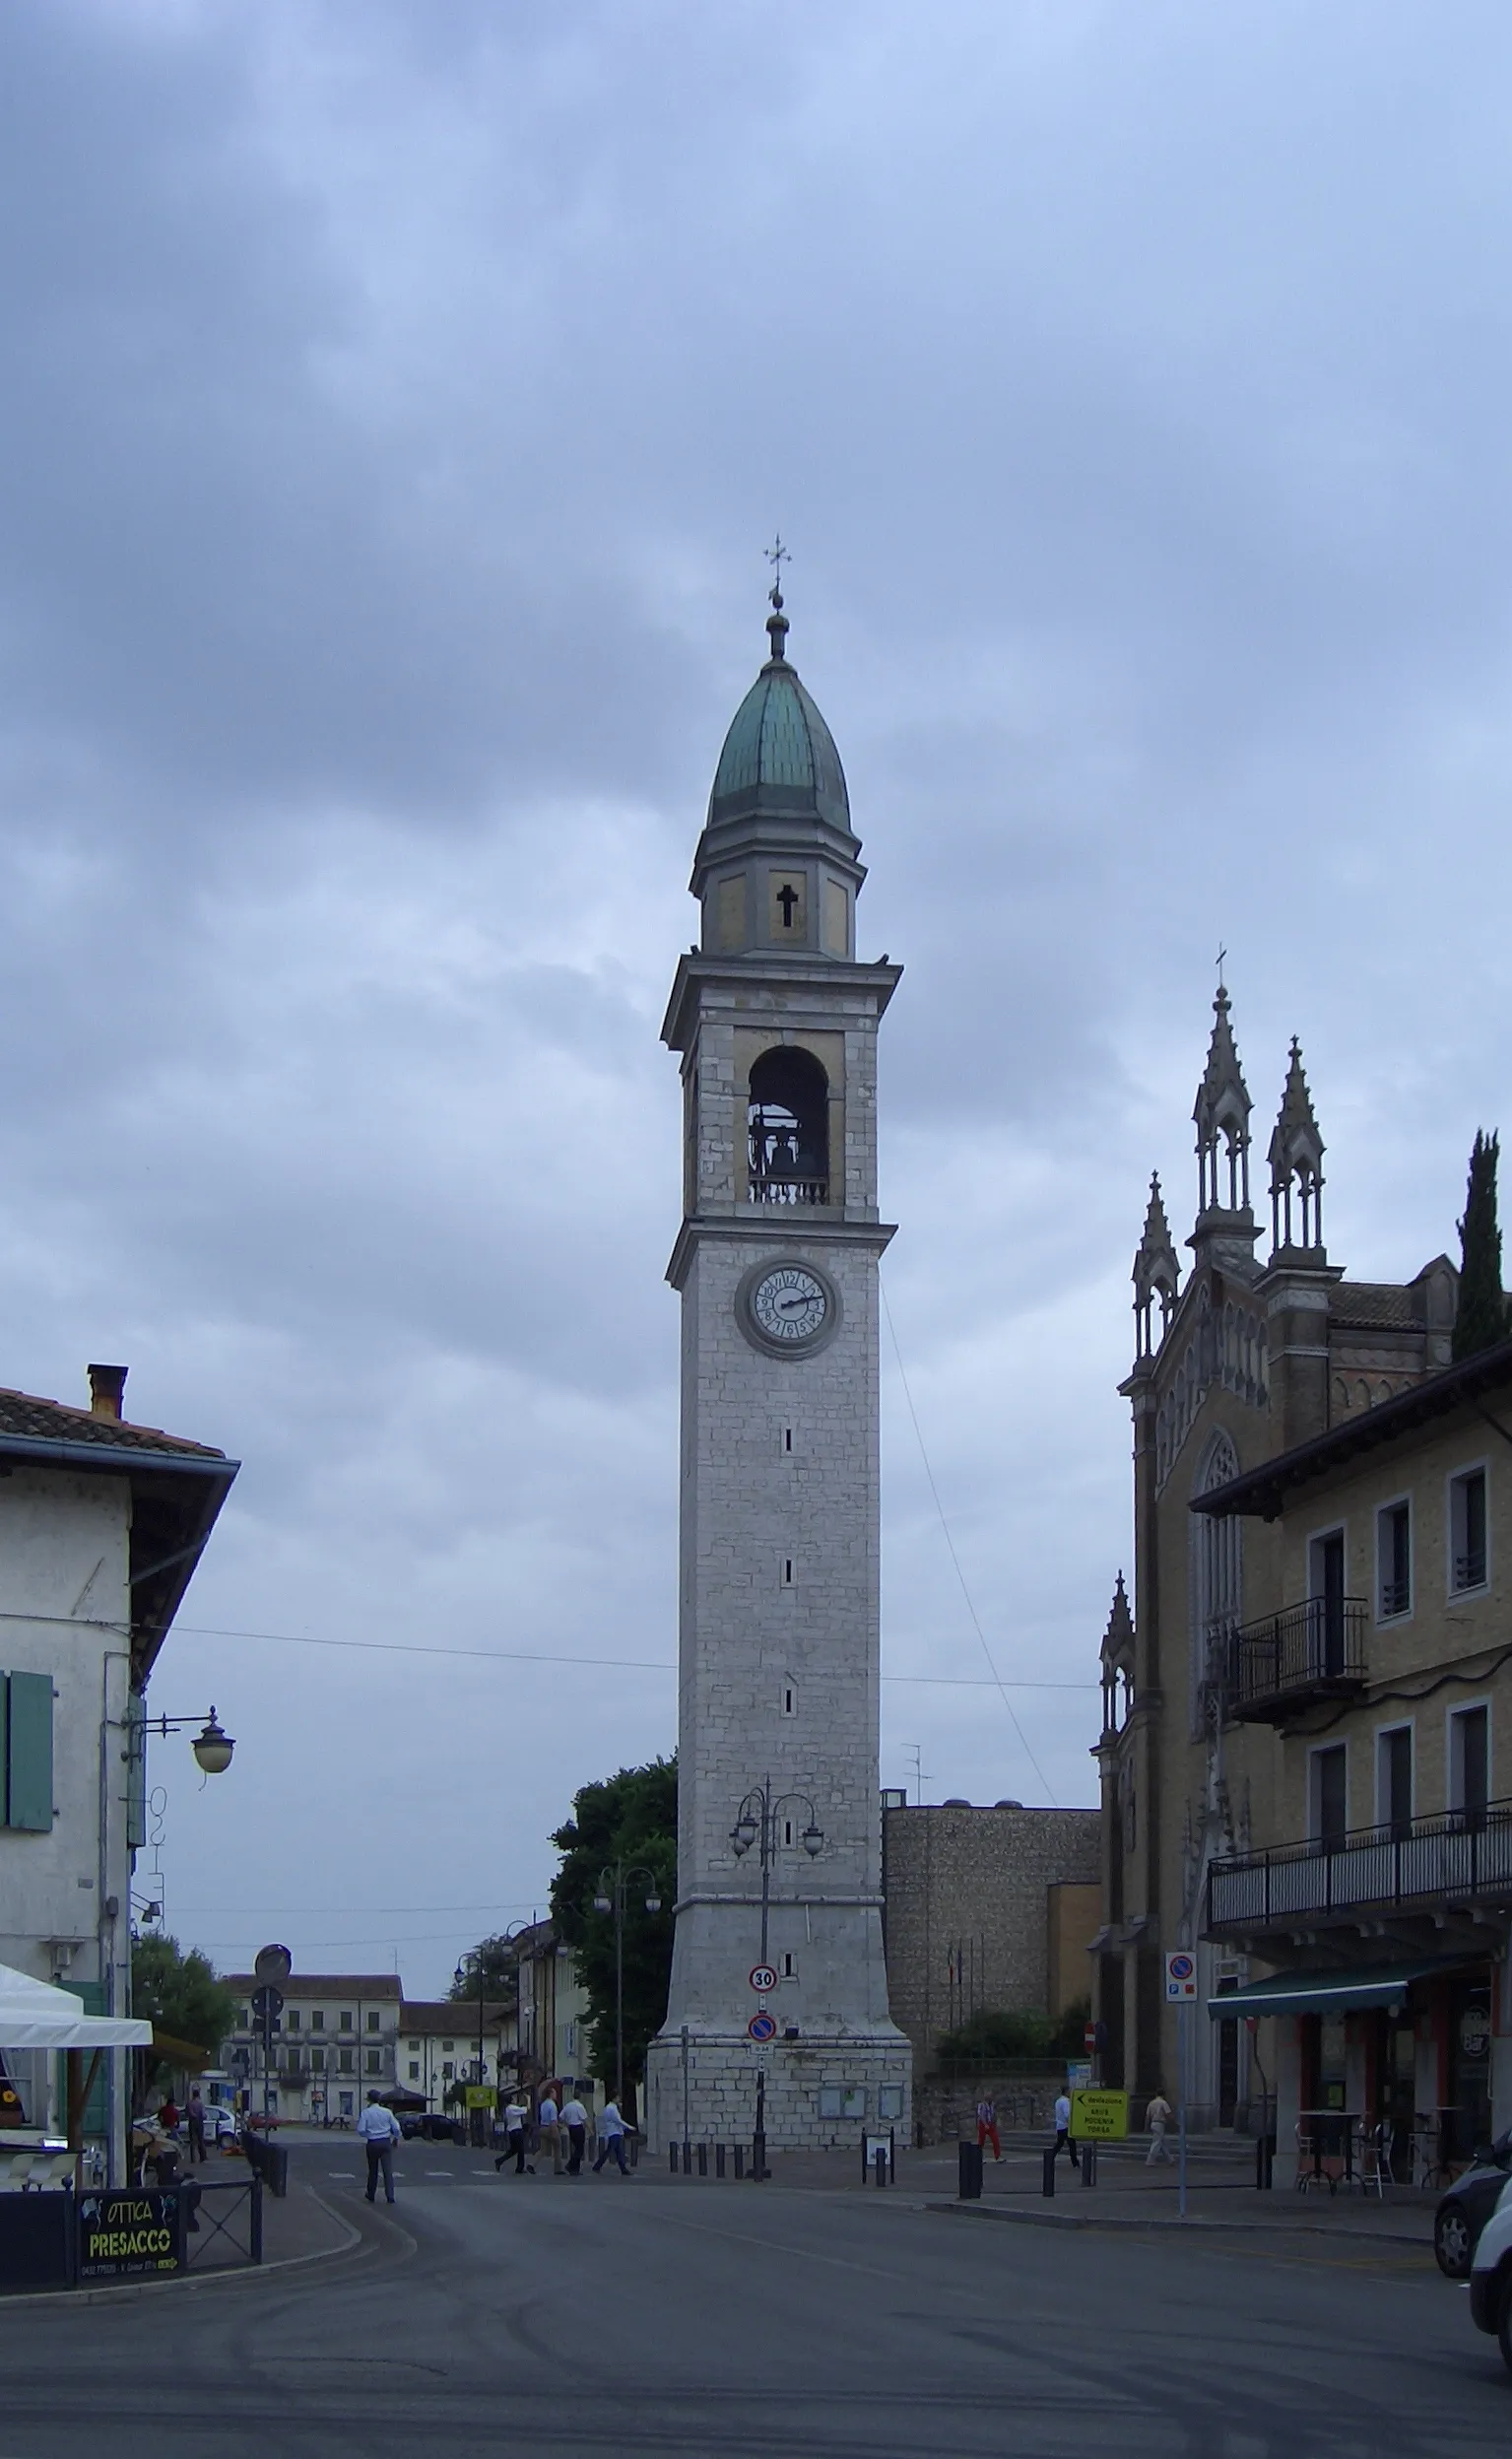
(36, 2016)
(1330, 1992)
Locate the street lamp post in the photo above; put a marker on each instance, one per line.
(755, 1823)
(476, 1960)
(612, 1882)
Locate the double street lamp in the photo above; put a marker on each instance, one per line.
(612, 1882)
(460, 1977)
(755, 1823)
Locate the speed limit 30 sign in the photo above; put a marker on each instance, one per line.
(763, 1978)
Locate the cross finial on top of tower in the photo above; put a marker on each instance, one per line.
(776, 555)
(776, 622)
(1222, 957)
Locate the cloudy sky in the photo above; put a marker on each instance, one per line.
(399, 396)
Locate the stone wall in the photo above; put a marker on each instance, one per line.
(967, 1910)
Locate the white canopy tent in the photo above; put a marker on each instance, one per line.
(34, 2015)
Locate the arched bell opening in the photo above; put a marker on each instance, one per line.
(789, 1128)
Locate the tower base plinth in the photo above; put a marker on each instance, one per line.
(820, 2090)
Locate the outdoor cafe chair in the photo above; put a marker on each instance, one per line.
(1375, 2160)
(1310, 2167)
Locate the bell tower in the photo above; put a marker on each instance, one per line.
(779, 1848)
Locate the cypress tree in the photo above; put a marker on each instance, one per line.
(1481, 1319)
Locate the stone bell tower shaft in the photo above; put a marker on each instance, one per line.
(777, 1260)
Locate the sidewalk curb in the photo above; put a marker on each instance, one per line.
(184, 2283)
(1184, 2227)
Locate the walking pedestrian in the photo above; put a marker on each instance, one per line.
(1157, 2116)
(516, 2119)
(195, 2113)
(610, 2138)
(380, 2130)
(550, 2127)
(1062, 2128)
(575, 2119)
(987, 2125)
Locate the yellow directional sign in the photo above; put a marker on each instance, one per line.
(1099, 2116)
(479, 2095)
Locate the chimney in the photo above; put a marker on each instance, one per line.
(107, 1385)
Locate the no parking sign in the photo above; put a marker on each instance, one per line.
(1180, 1976)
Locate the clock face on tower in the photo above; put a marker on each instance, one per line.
(788, 1308)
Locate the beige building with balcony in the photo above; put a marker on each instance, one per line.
(335, 2039)
(1302, 1686)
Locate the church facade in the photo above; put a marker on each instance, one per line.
(778, 2001)
(1251, 1357)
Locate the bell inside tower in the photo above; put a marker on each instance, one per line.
(788, 1120)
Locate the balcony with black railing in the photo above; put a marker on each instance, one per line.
(1458, 1858)
(1285, 1662)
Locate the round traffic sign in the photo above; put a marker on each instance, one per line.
(273, 1964)
(763, 1978)
(267, 2001)
(762, 2027)
(1181, 1968)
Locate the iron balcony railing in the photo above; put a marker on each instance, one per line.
(1305, 1652)
(1462, 1854)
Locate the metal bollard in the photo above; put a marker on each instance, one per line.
(672, 2155)
(687, 2160)
(1047, 2184)
(739, 2160)
(704, 2160)
(880, 2163)
(719, 2160)
(971, 2172)
(634, 2150)
(1089, 2163)
(1264, 2161)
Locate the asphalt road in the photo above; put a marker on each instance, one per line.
(538, 2316)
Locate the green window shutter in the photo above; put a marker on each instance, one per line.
(136, 1772)
(96, 2109)
(29, 1752)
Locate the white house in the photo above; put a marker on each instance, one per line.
(102, 1524)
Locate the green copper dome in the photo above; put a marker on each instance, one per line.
(779, 756)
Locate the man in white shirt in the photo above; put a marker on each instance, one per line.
(380, 2130)
(551, 2130)
(516, 2119)
(610, 2138)
(575, 2119)
(1063, 2130)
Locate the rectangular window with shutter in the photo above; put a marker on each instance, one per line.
(27, 1704)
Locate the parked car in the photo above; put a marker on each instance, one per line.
(1466, 2207)
(432, 2127)
(219, 2124)
(1491, 2279)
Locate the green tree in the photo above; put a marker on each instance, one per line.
(632, 1819)
(181, 1994)
(1482, 1317)
(500, 1978)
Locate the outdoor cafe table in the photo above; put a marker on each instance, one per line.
(1332, 2139)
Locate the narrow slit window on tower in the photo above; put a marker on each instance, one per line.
(787, 1830)
(787, 1570)
(789, 1969)
(787, 1439)
(789, 1700)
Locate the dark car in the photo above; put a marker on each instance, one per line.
(432, 2127)
(1466, 2206)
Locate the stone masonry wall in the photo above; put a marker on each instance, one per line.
(966, 1894)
